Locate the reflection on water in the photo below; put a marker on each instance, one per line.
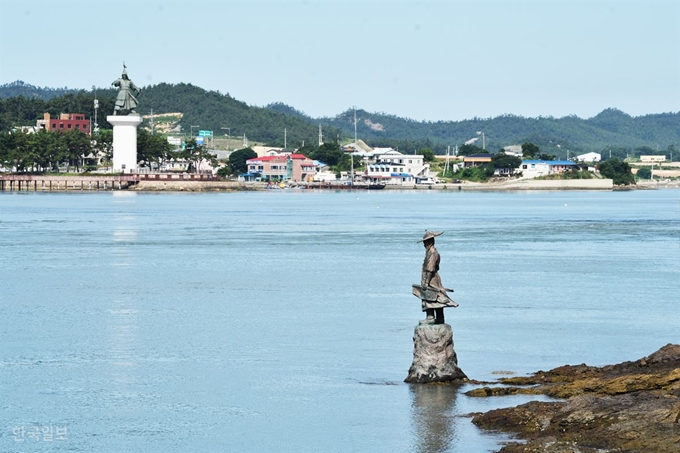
(123, 314)
(432, 413)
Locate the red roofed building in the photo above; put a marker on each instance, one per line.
(294, 167)
(300, 168)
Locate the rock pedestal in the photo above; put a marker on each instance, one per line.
(124, 141)
(434, 359)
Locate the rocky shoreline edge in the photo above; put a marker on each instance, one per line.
(629, 407)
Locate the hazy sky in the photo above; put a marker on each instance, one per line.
(426, 60)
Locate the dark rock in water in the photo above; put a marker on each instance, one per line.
(434, 359)
(632, 407)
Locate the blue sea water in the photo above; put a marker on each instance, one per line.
(282, 321)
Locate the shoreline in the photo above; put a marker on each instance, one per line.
(631, 406)
(87, 184)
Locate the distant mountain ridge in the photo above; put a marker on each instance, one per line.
(21, 88)
(278, 124)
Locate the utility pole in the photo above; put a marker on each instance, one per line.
(285, 138)
(151, 121)
(320, 136)
(483, 139)
(351, 181)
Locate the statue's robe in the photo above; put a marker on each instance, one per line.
(432, 295)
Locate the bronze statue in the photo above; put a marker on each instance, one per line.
(431, 291)
(126, 100)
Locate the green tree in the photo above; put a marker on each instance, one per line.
(5, 146)
(103, 145)
(237, 160)
(644, 173)
(529, 150)
(502, 160)
(618, 171)
(346, 163)
(196, 154)
(428, 154)
(307, 150)
(152, 149)
(78, 146)
(224, 171)
(18, 156)
(468, 150)
(328, 153)
(45, 148)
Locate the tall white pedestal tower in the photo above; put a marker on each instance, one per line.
(125, 141)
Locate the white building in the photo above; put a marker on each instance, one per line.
(513, 150)
(589, 157)
(392, 167)
(325, 176)
(536, 168)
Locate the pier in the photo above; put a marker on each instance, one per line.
(53, 183)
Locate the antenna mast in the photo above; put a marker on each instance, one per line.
(95, 129)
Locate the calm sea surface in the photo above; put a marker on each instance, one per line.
(282, 321)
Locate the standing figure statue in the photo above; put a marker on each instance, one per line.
(431, 292)
(126, 100)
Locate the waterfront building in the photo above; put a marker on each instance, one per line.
(281, 167)
(477, 160)
(536, 168)
(392, 167)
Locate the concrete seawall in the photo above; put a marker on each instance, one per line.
(194, 186)
(559, 184)
(96, 183)
(523, 184)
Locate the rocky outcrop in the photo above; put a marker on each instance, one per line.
(631, 407)
(434, 358)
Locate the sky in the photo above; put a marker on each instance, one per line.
(420, 59)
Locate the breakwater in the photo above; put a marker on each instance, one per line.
(50, 183)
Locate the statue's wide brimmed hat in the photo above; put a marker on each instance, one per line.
(430, 235)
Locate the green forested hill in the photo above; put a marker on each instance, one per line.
(210, 110)
(611, 130)
(214, 111)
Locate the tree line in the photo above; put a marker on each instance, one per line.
(75, 151)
